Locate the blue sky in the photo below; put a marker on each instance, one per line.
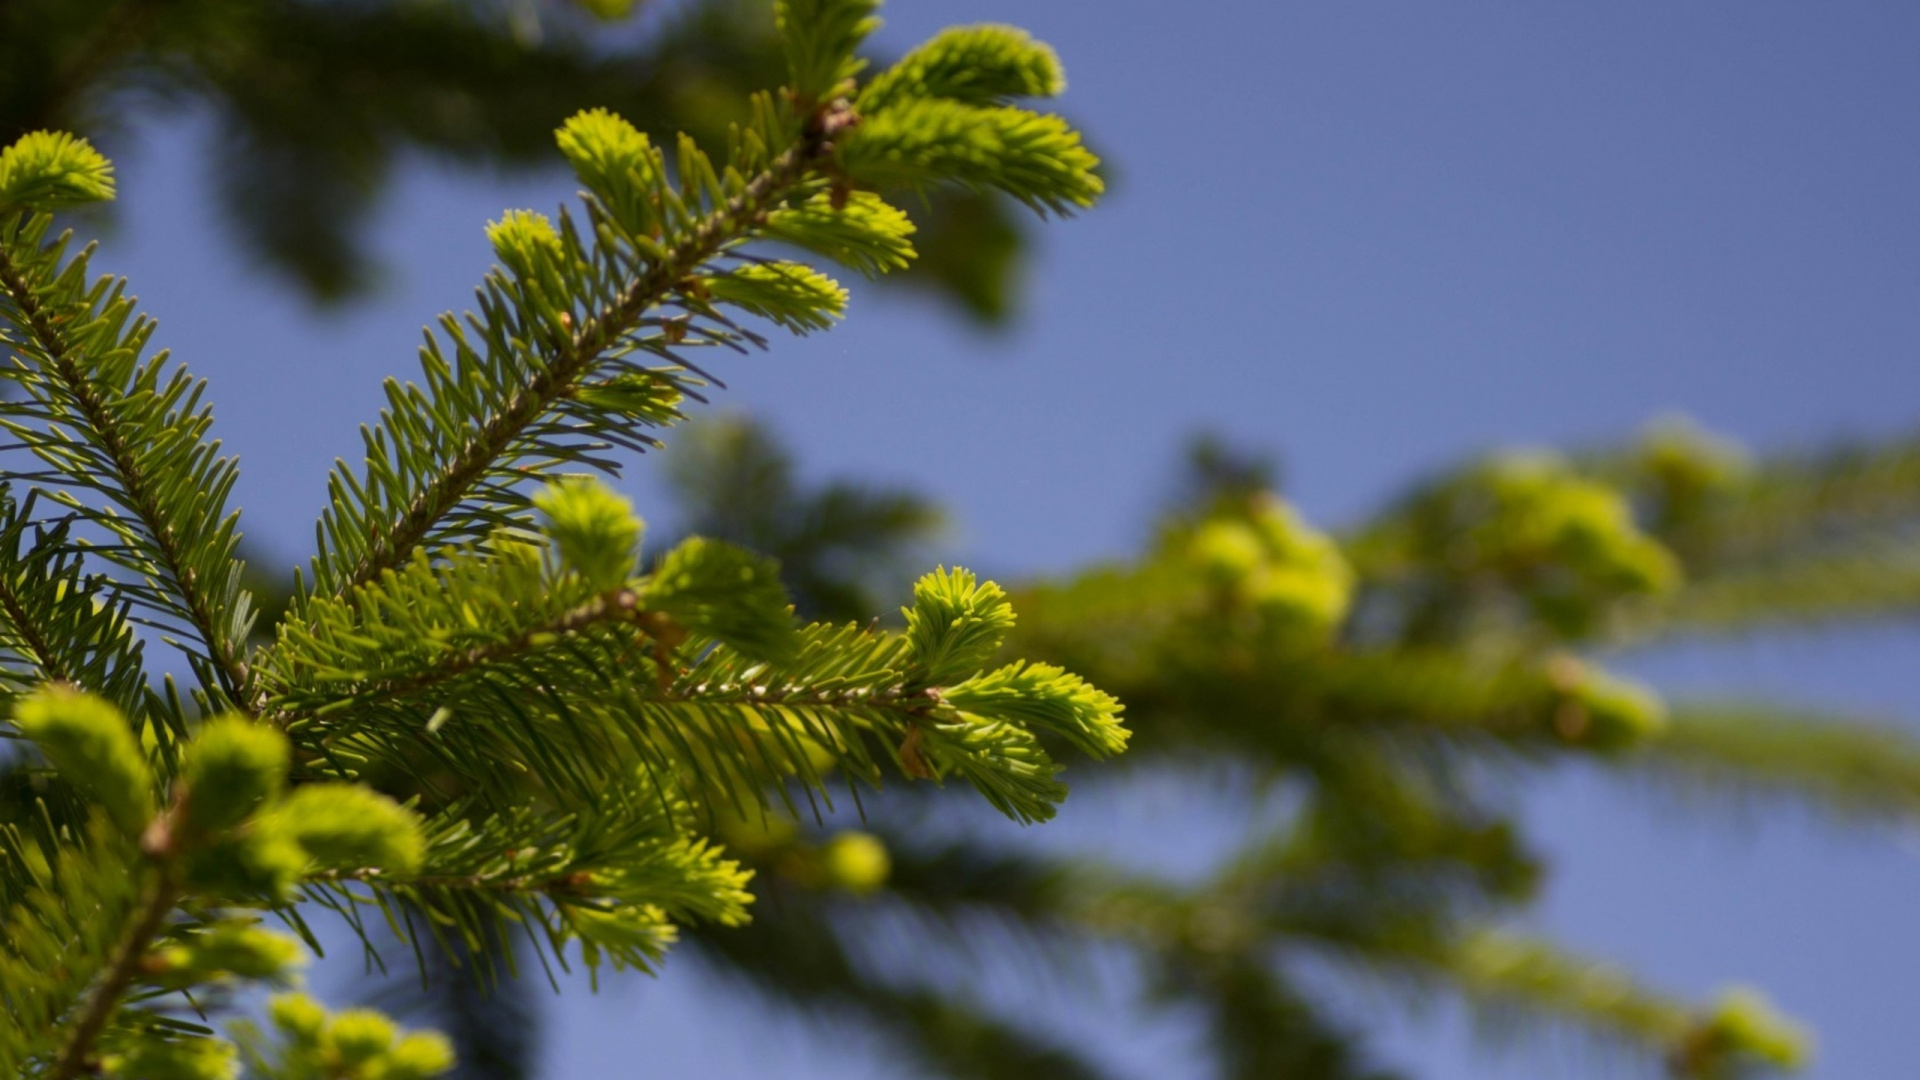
(1368, 237)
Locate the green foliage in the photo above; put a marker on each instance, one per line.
(183, 1059)
(232, 768)
(820, 38)
(127, 441)
(842, 548)
(1371, 741)
(478, 713)
(1283, 579)
(1840, 765)
(46, 170)
(575, 310)
(1561, 546)
(315, 106)
(484, 719)
(62, 624)
(348, 827)
(788, 295)
(1045, 698)
(1745, 1033)
(89, 744)
(919, 142)
(729, 594)
(863, 232)
(612, 880)
(617, 161)
(312, 1044)
(941, 113)
(238, 949)
(979, 65)
(956, 622)
(65, 905)
(595, 530)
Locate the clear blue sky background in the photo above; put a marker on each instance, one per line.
(1372, 238)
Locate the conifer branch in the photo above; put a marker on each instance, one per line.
(530, 883)
(150, 918)
(140, 495)
(39, 652)
(600, 710)
(567, 884)
(58, 624)
(576, 358)
(616, 606)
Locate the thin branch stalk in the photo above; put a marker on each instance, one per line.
(576, 359)
(74, 1059)
(232, 669)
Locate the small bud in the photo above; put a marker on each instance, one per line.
(526, 241)
(45, 170)
(92, 746)
(419, 1056)
(856, 861)
(232, 768)
(1606, 711)
(1226, 551)
(956, 623)
(1689, 462)
(1743, 1034)
(176, 1059)
(361, 1035)
(616, 161)
(638, 928)
(594, 528)
(347, 827)
(249, 952)
(302, 1019)
(260, 860)
(1262, 556)
(1301, 603)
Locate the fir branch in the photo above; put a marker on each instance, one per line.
(65, 893)
(1845, 766)
(59, 625)
(136, 489)
(38, 650)
(616, 606)
(811, 961)
(1879, 578)
(600, 711)
(1795, 502)
(149, 919)
(576, 359)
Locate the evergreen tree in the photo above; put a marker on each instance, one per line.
(493, 720)
(480, 715)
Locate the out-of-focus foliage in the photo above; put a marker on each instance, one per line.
(1368, 700)
(840, 546)
(315, 105)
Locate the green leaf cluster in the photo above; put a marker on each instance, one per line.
(46, 170)
(316, 108)
(485, 712)
(1372, 742)
(309, 1043)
